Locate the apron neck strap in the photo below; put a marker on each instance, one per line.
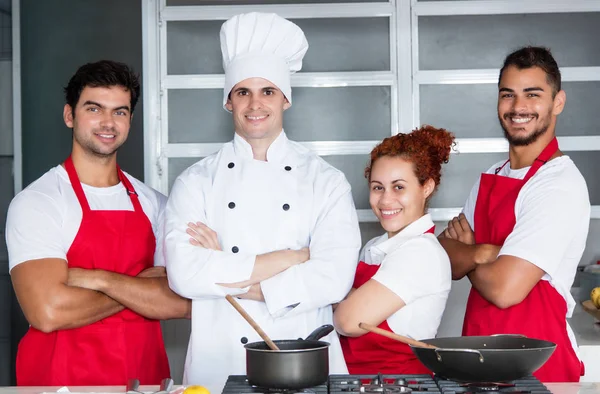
(130, 190)
(76, 184)
(543, 158)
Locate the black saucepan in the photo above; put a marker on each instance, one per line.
(300, 363)
(496, 358)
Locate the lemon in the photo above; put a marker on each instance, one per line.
(595, 296)
(196, 390)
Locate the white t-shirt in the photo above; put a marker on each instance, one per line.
(44, 218)
(417, 269)
(552, 214)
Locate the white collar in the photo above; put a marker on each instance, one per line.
(415, 229)
(277, 152)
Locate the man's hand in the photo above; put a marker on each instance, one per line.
(487, 253)
(254, 293)
(460, 230)
(203, 236)
(153, 272)
(84, 278)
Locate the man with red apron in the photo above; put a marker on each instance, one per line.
(94, 320)
(521, 286)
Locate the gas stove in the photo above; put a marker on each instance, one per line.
(343, 384)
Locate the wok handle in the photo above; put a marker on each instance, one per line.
(399, 338)
(439, 350)
(251, 321)
(509, 335)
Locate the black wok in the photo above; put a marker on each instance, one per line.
(300, 363)
(495, 358)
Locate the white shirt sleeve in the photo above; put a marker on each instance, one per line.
(469, 208)
(327, 277)
(34, 229)
(549, 215)
(414, 270)
(194, 271)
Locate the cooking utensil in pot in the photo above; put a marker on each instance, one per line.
(251, 321)
(300, 363)
(496, 358)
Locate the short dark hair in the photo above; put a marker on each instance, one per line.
(528, 57)
(104, 73)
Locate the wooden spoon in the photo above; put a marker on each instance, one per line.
(251, 321)
(391, 335)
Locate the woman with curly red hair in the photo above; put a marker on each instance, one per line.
(403, 278)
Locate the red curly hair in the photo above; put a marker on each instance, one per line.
(426, 147)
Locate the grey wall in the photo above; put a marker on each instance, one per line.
(56, 38)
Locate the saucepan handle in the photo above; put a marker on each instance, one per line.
(438, 352)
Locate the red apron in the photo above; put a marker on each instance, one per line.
(542, 314)
(110, 351)
(372, 353)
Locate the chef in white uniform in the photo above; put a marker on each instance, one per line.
(254, 208)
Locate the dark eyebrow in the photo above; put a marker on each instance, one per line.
(506, 90)
(90, 102)
(241, 89)
(533, 89)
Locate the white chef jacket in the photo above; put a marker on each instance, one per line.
(293, 200)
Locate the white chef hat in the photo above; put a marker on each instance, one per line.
(261, 45)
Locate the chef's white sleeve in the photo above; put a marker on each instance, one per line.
(158, 227)
(327, 277)
(194, 271)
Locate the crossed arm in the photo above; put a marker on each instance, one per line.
(54, 297)
(502, 280)
(265, 266)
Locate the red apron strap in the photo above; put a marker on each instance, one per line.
(130, 191)
(542, 159)
(76, 185)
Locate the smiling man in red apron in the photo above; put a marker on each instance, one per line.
(524, 227)
(82, 244)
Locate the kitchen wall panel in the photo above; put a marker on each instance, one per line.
(6, 194)
(317, 114)
(249, 2)
(6, 108)
(347, 44)
(470, 110)
(471, 42)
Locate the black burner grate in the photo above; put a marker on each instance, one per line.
(414, 384)
(238, 384)
(373, 384)
(528, 385)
